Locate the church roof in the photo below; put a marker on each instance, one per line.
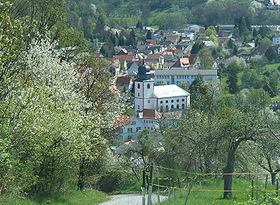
(168, 91)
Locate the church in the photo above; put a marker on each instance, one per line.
(150, 103)
(162, 98)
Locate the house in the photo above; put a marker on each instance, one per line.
(133, 68)
(123, 52)
(180, 77)
(276, 40)
(182, 63)
(124, 83)
(168, 65)
(131, 126)
(259, 52)
(277, 48)
(155, 58)
(193, 28)
(210, 44)
(172, 38)
(124, 60)
(115, 65)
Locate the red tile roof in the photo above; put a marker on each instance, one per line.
(260, 50)
(123, 81)
(182, 63)
(151, 41)
(153, 56)
(122, 120)
(124, 57)
(114, 90)
(151, 114)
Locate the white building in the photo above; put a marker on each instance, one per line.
(180, 77)
(276, 40)
(162, 98)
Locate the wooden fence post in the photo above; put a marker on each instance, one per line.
(143, 188)
(252, 190)
(277, 186)
(150, 185)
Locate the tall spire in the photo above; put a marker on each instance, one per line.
(143, 72)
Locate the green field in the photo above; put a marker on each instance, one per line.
(87, 197)
(212, 195)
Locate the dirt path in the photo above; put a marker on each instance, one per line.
(130, 199)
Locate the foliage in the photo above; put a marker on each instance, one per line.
(271, 54)
(206, 58)
(69, 198)
(114, 174)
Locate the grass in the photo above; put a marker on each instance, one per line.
(208, 196)
(87, 197)
(275, 99)
(258, 71)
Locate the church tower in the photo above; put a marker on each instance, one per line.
(144, 90)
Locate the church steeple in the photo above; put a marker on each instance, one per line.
(143, 72)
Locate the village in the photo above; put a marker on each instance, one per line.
(155, 75)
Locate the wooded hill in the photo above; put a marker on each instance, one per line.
(90, 16)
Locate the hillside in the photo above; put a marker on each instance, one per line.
(91, 15)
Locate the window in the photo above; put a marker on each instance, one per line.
(138, 94)
(161, 109)
(133, 122)
(149, 101)
(183, 106)
(172, 107)
(166, 101)
(138, 86)
(183, 100)
(177, 100)
(148, 86)
(138, 107)
(161, 102)
(178, 107)
(166, 108)
(172, 101)
(129, 130)
(138, 129)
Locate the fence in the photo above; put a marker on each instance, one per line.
(168, 180)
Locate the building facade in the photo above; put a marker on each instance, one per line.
(180, 77)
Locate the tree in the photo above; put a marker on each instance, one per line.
(205, 56)
(237, 127)
(232, 70)
(139, 24)
(196, 47)
(210, 31)
(265, 42)
(149, 35)
(271, 54)
(213, 38)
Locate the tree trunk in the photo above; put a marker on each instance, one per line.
(227, 174)
(81, 180)
(273, 177)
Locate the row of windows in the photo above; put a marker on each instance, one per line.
(162, 76)
(183, 100)
(177, 76)
(148, 121)
(129, 130)
(185, 77)
(171, 108)
(148, 86)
